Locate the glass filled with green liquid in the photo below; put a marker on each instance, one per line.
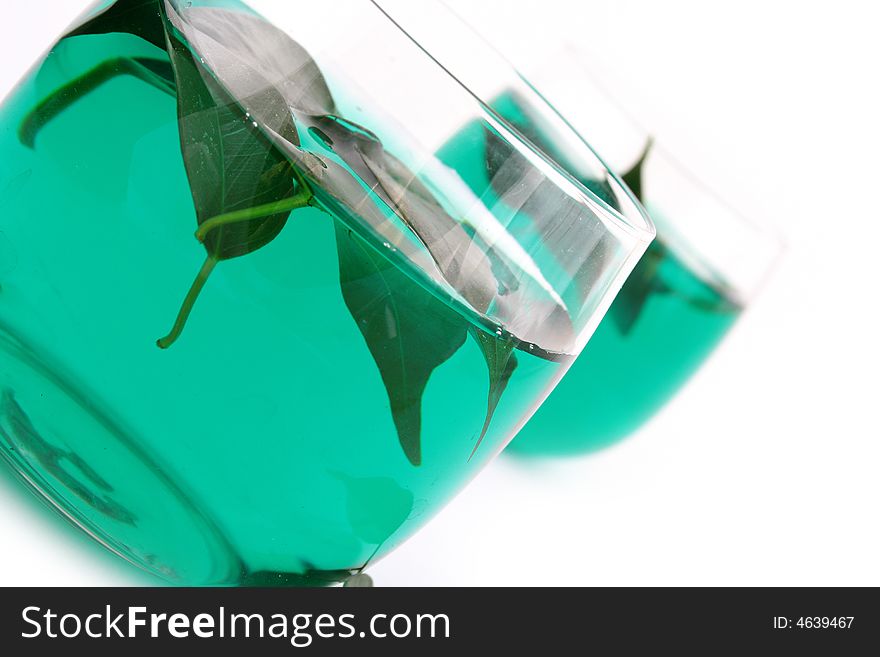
(254, 328)
(683, 297)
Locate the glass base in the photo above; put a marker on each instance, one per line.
(97, 475)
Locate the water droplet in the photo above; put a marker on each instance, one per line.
(387, 245)
(256, 125)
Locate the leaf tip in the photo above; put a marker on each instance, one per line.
(27, 136)
(413, 452)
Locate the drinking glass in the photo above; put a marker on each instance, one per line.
(705, 266)
(254, 329)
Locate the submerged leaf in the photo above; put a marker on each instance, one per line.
(501, 361)
(633, 178)
(242, 186)
(241, 84)
(230, 164)
(638, 288)
(408, 331)
(642, 282)
(247, 54)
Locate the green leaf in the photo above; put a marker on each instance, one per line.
(475, 272)
(408, 331)
(389, 308)
(241, 84)
(242, 186)
(638, 288)
(466, 268)
(633, 177)
(501, 361)
(642, 282)
(245, 53)
(141, 18)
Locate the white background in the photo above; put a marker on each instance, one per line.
(764, 470)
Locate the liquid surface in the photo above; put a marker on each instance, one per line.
(665, 322)
(261, 448)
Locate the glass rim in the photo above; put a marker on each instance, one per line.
(635, 221)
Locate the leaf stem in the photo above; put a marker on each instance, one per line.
(73, 91)
(189, 302)
(299, 200)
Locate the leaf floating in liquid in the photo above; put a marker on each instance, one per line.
(638, 288)
(501, 360)
(407, 330)
(633, 178)
(642, 282)
(464, 266)
(240, 84)
(242, 186)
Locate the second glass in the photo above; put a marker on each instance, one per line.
(683, 297)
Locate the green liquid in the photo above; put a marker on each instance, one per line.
(259, 449)
(629, 369)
